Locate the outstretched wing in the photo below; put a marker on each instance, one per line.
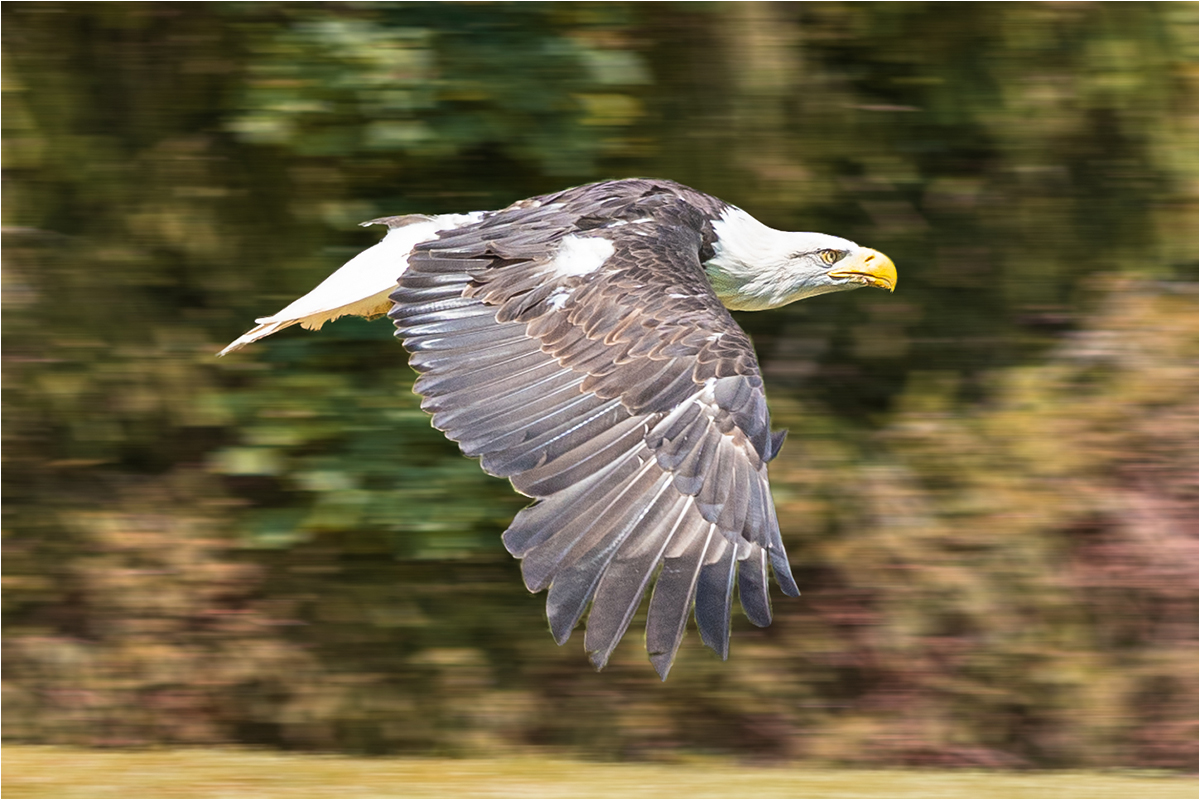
(574, 345)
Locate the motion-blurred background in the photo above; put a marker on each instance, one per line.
(990, 489)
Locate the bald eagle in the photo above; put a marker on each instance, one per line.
(579, 344)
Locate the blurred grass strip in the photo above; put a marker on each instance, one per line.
(68, 772)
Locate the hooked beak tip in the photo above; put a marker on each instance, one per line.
(869, 268)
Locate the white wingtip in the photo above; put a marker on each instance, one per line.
(267, 325)
(252, 335)
(361, 287)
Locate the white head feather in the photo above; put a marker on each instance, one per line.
(756, 267)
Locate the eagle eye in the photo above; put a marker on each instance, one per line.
(831, 257)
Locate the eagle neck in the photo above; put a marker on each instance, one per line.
(749, 266)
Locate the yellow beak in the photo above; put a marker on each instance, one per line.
(868, 267)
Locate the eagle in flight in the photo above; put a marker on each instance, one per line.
(580, 344)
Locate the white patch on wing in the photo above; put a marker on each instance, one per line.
(361, 287)
(581, 255)
(558, 299)
(617, 223)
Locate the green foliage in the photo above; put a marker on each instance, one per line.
(536, 84)
(990, 488)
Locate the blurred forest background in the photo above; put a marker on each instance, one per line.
(990, 489)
